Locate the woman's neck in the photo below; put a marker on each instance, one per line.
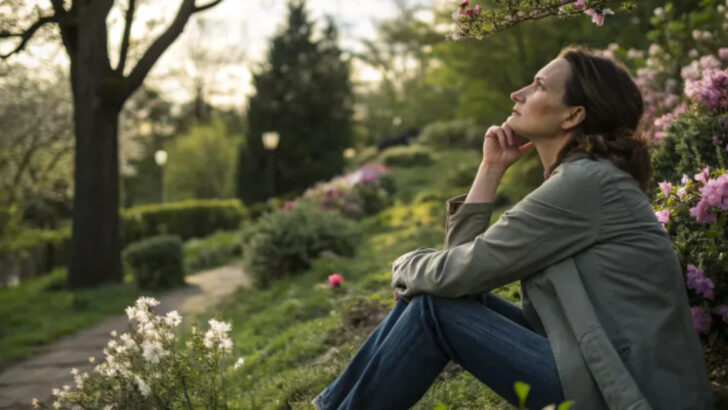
(548, 149)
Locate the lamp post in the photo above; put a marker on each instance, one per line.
(270, 143)
(160, 157)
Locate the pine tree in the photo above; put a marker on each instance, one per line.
(304, 93)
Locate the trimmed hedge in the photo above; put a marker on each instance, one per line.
(186, 219)
(212, 251)
(157, 262)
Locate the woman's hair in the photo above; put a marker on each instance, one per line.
(613, 106)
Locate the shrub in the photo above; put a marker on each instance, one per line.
(285, 242)
(693, 141)
(694, 215)
(186, 219)
(156, 262)
(31, 252)
(411, 156)
(212, 251)
(464, 134)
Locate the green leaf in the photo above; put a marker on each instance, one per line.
(521, 390)
(565, 405)
(440, 406)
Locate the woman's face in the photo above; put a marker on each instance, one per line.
(540, 111)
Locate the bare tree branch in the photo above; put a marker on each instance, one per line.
(207, 6)
(27, 34)
(58, 7)
(160, 45)
(126, 36)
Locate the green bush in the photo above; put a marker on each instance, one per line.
(410, 156)
(692, 142)
(284, 243)
(186, 219)
(212, 251)
(464, 134)
(156, 262)
(31, 252)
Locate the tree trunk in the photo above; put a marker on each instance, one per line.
(95, 243)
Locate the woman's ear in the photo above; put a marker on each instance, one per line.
(576, 116)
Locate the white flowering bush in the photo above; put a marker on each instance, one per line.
(149, 367)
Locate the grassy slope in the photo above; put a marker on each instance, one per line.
(298, 335)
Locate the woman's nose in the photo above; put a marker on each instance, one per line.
(515, 97)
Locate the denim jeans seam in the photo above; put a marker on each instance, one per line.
(432, 327)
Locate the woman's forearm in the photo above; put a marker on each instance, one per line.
(485, 184)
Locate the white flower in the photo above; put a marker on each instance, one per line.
(113, 332)
(146, 302)
(153, 351)
(74, 371)
(55, 392)
(217, 336)
(35, 403)
(91, 359)
(239, 363)
(56, 405)
(143, 387)
(173, 318)
(109, 407)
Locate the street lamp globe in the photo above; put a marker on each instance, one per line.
(160, 157)
(270, 139)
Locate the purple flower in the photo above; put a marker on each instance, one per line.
(469, 12)
(701, 320)
(666, 187)
(722, 310)
(700, 283)
(464, 3)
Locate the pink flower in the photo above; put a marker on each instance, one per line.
(469, 12)
(723, 53)
(663, 216)
(666, 187)
(597, 17)
(477, 9)
(288, 205)
(701, 320)
(464, 3)
(722, 310)
(684, 179)
(335, 280)
(703, 175)
(579, 4)
(681, 192)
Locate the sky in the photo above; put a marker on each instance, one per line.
(240, 27)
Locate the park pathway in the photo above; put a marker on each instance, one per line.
(51, 366)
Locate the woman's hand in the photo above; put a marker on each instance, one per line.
(500, 147)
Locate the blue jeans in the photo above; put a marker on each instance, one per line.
(489, 337)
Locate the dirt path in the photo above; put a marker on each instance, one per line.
(51, 366)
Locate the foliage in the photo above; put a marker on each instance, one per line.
(29, 252)
(188, 219)
(285, 242)
(156, 262)
(463, 134)
(410, 156)
(694, 214)
(303, 92)
(212, 251)
(201, 164)
(150, 367)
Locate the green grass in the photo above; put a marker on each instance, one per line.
(298, 335)
(41, 310)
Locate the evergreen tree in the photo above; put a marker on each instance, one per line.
(304, 93)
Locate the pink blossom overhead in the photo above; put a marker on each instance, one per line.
(598, 17)
(665, 187)
(335, 280)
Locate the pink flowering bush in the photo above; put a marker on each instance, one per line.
(694, 213)
(365, 191)
(149, 367)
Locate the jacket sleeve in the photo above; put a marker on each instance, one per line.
(558, 219)
(465, 221)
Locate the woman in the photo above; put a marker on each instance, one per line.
(605, 320)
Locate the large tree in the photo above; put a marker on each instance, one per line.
(99, 92)
(303, 92)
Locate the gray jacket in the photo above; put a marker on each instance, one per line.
(598, 277)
